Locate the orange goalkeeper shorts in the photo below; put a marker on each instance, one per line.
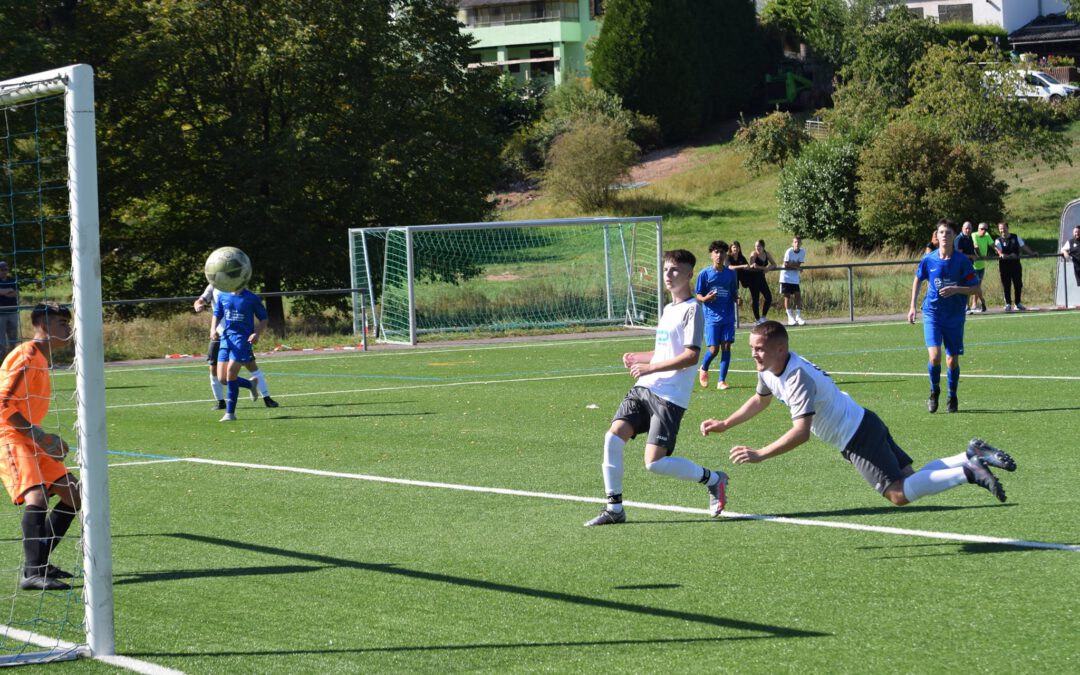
(24, 466)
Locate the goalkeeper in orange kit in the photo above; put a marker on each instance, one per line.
(31, 459)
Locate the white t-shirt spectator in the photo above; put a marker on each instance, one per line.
(791, 255)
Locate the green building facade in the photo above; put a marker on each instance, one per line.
(539, 39)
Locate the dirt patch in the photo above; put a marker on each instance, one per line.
(504, 277)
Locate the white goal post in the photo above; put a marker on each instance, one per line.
(507, 276)
(74, 169)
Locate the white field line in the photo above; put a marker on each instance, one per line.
(125, 662)
(948, 536)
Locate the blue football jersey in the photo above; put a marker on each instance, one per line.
(237, 312)
(956, 270)
(726, 284)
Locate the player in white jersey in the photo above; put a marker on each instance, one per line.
(657, 401)
(819, 407)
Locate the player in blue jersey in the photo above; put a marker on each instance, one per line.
(257, 385)
(242, 318)
(951, 279)
(717, 290)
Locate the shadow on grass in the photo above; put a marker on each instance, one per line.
(353, 404)
(276, 418)
(881, 510)
(454, 648)
(950, 549)
(322, 562)
(1013, 411)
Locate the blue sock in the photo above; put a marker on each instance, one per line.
(725, 363)
(234, 393)
(243, 382)
(709, 356)
(952, 375)
(935, 376)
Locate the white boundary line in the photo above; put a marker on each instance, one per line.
(125, 662)
(928, 534)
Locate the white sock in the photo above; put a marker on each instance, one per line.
(613, 467)
(677, 467)
(923, 483)
(263, 389)
(798, 314)
(946, 462)
(215, 386)
(789, 314)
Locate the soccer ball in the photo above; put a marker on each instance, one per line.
(228, 269)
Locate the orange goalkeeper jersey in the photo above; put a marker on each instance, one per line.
(25, 388)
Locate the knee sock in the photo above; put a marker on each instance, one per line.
(678, 467)
(613, 469)
(946, 463)
(952, 376)
(935, 375)
(258, 376)
(725, 363)
(234, 393)
(709, 356)
(215, 386)
(33, 530)
(924, 483)
(243, 382)
(57, 524)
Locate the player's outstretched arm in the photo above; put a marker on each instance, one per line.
(260, 326)
(753, 406)
(798, 434)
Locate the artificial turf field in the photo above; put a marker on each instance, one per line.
(421, 510)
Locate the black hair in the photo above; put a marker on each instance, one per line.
(40, 314)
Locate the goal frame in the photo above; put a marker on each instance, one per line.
(76, 83)
(362, 264)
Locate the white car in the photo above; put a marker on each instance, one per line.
(1039, 84)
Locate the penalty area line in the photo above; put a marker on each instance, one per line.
(899, 531)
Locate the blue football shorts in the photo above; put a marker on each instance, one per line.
(715, 333)
(235, 347)
(952, 335)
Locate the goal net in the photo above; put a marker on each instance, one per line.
(49, 239)
(427, 280)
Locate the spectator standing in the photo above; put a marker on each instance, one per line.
(760, 262)
(794, 258)
(1008, 247)
(984, 243)
(965, 245)
(1071, 251)
(737, 261)
(9, 310)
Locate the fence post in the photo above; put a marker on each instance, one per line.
(851, 293)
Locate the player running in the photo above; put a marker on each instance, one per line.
(951, 279)
(717, 290)
(256, 385)
(819, 407)
(657, 401)
(241, 318)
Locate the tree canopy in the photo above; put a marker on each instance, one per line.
(275, 125)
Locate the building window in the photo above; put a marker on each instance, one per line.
(957, 13)
(917, 11)
(547, 67)
(597, 7)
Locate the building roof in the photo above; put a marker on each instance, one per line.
(1044, 29)
(465, 4)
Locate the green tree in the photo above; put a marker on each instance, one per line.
(910, 177)
(886, 53)
(586, 161)
(772, 139)
(974, 106)
(817, 192)
(833, 29)
(276, 125)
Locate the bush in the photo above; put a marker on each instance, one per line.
(817, 192)
(586, 161)
(772, 139)
(985, 35)
(909, 178)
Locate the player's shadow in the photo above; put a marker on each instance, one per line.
(1013, 411)
(295, 406)
(354, 416)
(315, 562)
(944, 549)
(859, 383)
(882, 510)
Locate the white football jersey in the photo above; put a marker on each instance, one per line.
(681, 325)
(792, 276)
(808, 390)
